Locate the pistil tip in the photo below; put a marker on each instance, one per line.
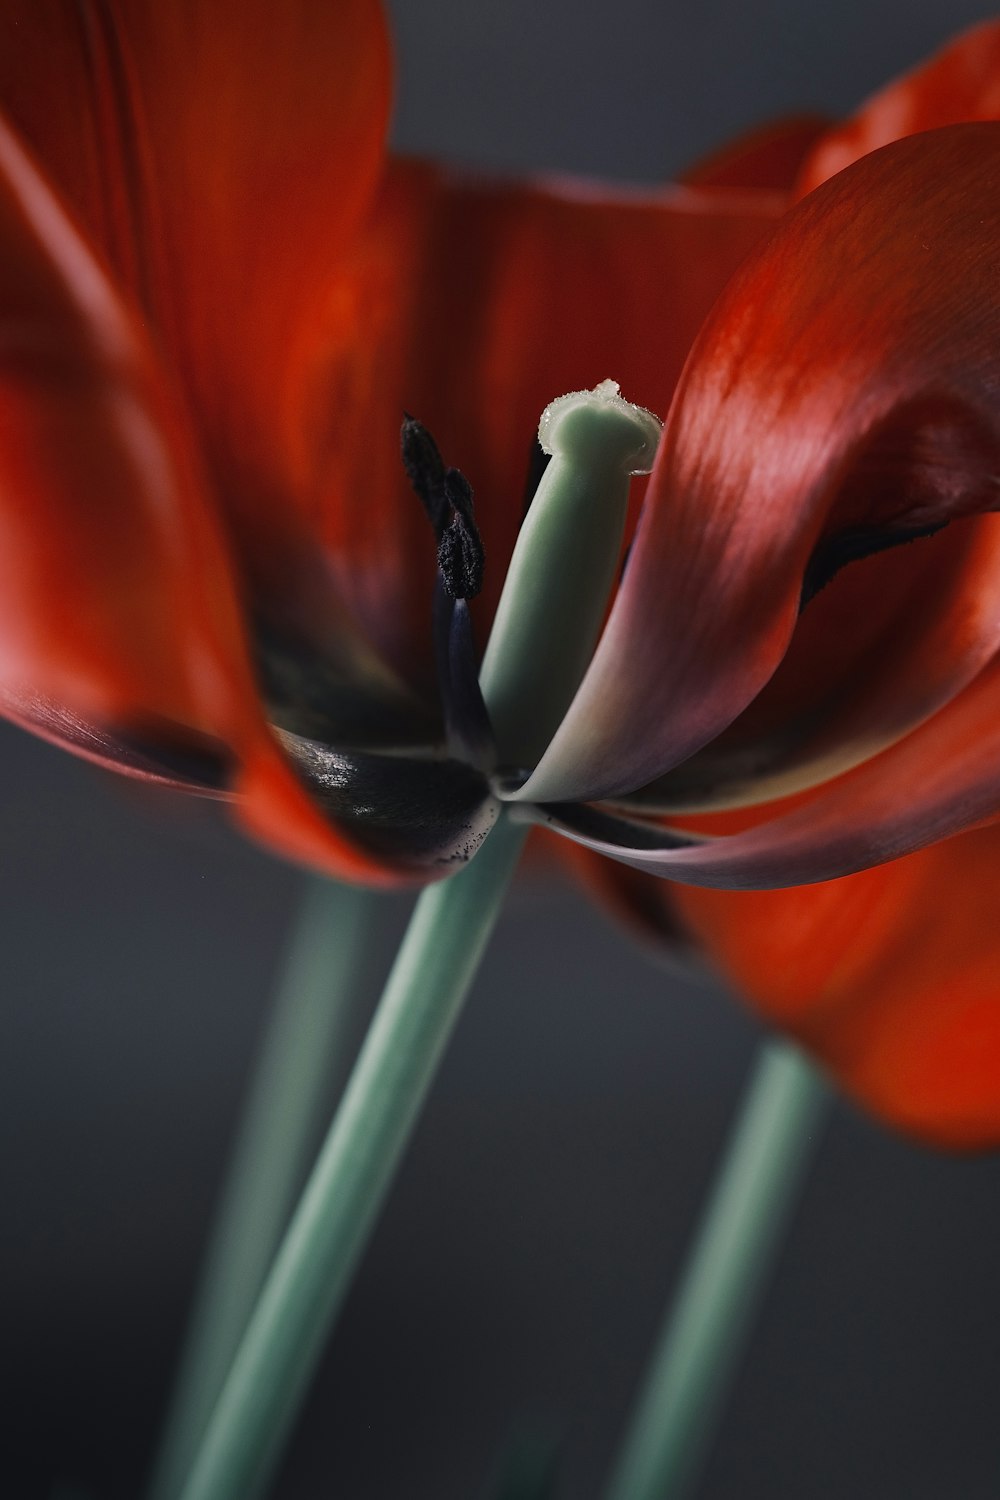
(600, 426)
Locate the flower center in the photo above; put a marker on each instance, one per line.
(561, 574)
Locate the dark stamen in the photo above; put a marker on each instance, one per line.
(460, 550)
(446, 495)
(425, 470)
(469, 729)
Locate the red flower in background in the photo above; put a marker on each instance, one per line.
(215, 302)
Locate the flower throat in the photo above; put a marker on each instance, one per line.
(560, 577)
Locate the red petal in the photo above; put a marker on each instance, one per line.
(117, 601)
(961, 82)
(473, 305)
(889, 977)
(863, 666)
(844, 379)
(768, 159)
(222, 153)
(941, 779)
(242, 141)
(115, 589)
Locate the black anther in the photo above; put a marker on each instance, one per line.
(426, 471)
(460, 558)
(446, 496)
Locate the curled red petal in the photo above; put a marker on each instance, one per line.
(889, 977)
(864, 664)
(844, 383)
(940, 780)
(959, 83)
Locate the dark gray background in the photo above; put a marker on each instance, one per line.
(519, 1272)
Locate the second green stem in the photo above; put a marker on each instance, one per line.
(740, 1232)
(303, 1049)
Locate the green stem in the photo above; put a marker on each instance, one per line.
(337, 1212)
(736, 1245)
(303, 1048)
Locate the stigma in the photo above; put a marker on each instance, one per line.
(599, 428)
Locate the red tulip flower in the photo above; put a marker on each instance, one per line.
(217, 298)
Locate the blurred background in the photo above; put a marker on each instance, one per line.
(518, 1276)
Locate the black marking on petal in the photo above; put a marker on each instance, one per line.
(343, 702)
(416, 813)
(844, 547)
(932, 460)
(627, 834)
(191, 767)
(167, 753)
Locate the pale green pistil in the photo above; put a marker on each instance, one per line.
(564, 566)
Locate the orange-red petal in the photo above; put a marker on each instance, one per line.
(844, 381)
(890, 977)
(119, 614)
(115, 589)
(221, 153)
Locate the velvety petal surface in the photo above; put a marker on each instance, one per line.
(121, 630)
(959, 83)
(116, 594)
(471, 305)
(221, 155)
(889, 977)
(840, 400)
